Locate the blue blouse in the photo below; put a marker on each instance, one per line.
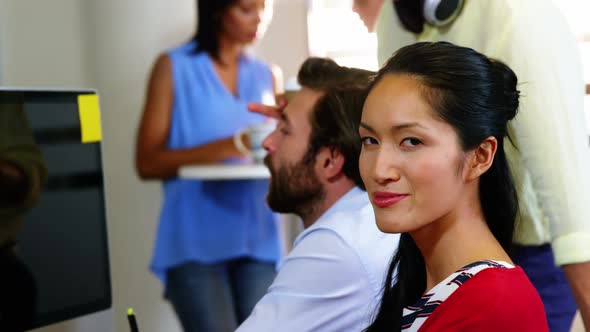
(212, 221)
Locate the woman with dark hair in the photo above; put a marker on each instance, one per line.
(433, 162)
(217, 243)
(549, 158)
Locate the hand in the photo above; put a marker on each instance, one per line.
(270, 111)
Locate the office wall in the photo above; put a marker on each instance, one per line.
(285, 42)
(42, 43)
(110, 45)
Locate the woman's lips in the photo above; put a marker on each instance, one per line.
(385, 199)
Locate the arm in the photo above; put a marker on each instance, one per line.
(578, 276)
(321, 286)
(153, 159)
(266, 110)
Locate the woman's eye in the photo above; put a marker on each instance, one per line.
(246, 9)
(367, 140)
(284, 131)
(411, 142)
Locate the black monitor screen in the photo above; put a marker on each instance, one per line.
(63, 239)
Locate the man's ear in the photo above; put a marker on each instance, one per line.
(481, 158)
(329, 163)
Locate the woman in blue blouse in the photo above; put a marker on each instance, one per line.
(217, 242)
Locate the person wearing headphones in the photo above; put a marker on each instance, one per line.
(548, 146)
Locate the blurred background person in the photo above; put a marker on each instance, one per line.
(548, 147)
(22, 174)
(217, 242)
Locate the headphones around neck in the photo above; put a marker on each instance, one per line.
(441, 12)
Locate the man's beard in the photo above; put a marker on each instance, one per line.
(294, 188)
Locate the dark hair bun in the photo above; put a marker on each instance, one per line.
(511, 95)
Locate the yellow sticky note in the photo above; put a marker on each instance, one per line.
(89, 111)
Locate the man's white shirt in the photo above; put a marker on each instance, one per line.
(333, 278)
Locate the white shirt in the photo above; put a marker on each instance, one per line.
(333, 277)
(551, 165)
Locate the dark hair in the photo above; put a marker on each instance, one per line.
(209, 18)
(336, 115)
(476, 96)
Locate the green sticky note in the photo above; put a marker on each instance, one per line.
(89, 111)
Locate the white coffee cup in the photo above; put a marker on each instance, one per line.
(256, 135)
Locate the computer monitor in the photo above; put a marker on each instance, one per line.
(63, 240)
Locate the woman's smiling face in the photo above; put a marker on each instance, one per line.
(411, 160)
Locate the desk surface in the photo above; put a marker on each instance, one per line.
(224, 172)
